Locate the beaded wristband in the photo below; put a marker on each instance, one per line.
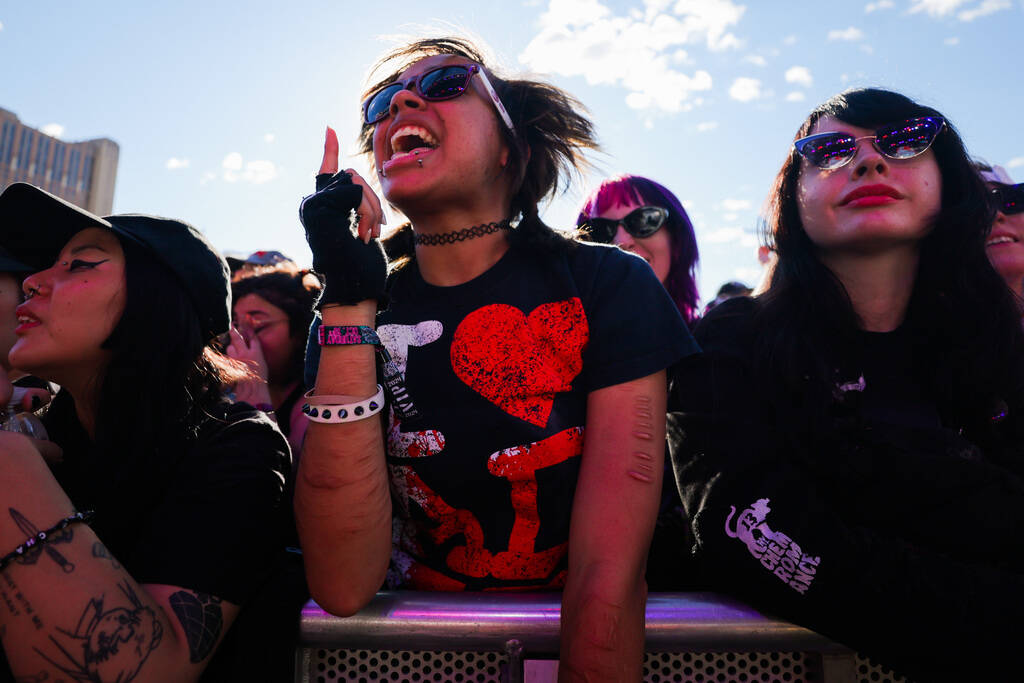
(36, 543)
(344, 335)
(337, 409)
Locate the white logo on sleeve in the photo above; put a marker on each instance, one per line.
(777, 552)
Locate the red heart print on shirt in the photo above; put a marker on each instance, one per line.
(519, 362)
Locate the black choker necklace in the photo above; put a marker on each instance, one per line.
(463, 235)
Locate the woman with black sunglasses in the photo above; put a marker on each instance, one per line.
(1005, 244)
(523, 442)
(854, 437)
(643, 217)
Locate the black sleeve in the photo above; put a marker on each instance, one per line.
(811, 536)
(635, 328)
(219, 529)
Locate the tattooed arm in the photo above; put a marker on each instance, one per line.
(70, 610)
(613, 517)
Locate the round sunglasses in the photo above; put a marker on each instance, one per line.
(1009, 199)
(904, 140)
(642, 222)
(435, 85)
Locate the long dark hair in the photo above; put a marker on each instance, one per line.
(964, 327)
(552, 134)
(160, 386)
(625, 189)
(292, 290)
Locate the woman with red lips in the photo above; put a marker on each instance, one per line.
(525, 384)
(853, 449)
(161, 581)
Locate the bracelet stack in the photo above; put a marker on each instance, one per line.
(338, 409)
(34, 544)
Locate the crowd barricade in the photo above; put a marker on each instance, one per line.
(513, 638)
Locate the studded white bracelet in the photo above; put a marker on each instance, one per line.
(319, 410)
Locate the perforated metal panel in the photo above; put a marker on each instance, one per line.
(365, 666)
(731, 667)
(375, 666)
(869, 671)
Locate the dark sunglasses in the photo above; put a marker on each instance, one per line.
(642, 222)
(904, 140)
(1009, 199)
(442, 83)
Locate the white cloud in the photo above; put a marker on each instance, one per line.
(800, 75)
(984, 9)
(935, 8)
(748, 276)
(706, 126)
(745, 89)
(1015, 162)
(881, 4)
(269, 137)
(953, 40)
(257, 172)
(174, 163)
(639, 51)
(867, 49)
(756, 60)
(789, 40)
(54, 130)
(795, 96)
(1, 26)
(852, 33)
(735, 204)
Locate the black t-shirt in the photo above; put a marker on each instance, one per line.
(881, 527)
(499, 369)
(213, 521)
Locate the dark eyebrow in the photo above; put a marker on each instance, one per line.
(84, 247)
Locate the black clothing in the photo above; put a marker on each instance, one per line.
(882, 528)
(499, 369)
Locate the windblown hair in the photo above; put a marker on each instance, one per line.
(631, 189)
(292, 290)
(965, 329)
(162, 381)
(547, 149)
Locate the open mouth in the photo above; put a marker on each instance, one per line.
(999, 239)
(411, 141)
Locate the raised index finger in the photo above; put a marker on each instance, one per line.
(330, 161)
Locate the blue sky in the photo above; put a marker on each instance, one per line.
(219, 107)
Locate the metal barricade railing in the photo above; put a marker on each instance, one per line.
(512, 637)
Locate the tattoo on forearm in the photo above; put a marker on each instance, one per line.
(113, 643)
(202, 619)
(642, 465)
(16, 602)
(32, 555)
(100, 550)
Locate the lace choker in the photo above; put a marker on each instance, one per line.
(463, 235)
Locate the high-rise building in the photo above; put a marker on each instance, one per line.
(83, 173)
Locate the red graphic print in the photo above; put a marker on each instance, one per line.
(520, 362)
(521, 561)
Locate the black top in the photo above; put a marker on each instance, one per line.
(880, 528)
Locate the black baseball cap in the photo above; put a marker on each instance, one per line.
(9, 264)
(35, 225)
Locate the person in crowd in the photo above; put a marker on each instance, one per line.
(32, 395)
(630, 211)
(137, 556)
(525, 371)
(730, 290)
(643, 217)
(257, 260)
(1005, 244)
(852, 451)
(272, 311)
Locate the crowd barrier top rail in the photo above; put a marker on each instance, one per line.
(693, 622)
